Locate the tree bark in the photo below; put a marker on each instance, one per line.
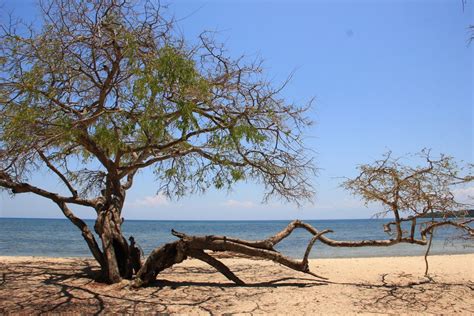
(194, 246)
(116, 252)
(86, 233)
(159, 260)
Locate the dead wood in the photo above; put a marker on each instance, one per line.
(195, 247)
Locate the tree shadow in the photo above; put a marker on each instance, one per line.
(413, 296)
(46, 287)
(43, 287)
(4, 279)
(268, 284)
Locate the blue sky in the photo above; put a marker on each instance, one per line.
(386, 75)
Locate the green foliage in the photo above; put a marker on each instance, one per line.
(169, 73)
(16, 127)
(110, 88)
(237, 174)
(249, 133)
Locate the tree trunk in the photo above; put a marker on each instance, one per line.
(116, 252)
(159, 260)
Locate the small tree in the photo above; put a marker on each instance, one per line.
(409, 193)
(105, 89)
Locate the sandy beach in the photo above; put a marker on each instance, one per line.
(390, 285)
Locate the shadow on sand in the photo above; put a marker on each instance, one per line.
(44, 287)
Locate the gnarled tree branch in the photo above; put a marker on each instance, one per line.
(194, 246)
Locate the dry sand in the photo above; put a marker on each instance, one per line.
(33, 285)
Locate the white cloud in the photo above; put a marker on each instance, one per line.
(150, 201)
(464, 195)
(239, 204)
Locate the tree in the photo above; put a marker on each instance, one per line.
(105, 89)
(409, 193)
(418, 193)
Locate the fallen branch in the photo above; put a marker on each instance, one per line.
(194, 246)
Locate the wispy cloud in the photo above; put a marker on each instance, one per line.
(464, 194)
(151, 201)
(239, 204)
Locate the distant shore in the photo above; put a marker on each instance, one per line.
(357, 285)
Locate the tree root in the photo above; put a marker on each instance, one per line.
(194, 246)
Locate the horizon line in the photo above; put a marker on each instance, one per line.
(204, 220)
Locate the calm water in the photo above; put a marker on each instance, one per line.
(60, 238)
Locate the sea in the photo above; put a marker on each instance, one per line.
(60, 238)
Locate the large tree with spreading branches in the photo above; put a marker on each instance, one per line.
(105, 88)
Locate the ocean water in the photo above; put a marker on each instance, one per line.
(60, 238)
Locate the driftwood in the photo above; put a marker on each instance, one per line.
(194, 246)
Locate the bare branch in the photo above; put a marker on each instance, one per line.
(58, 173)
(23, 187)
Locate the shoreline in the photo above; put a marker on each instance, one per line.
(222, 220)
(355, 285)
(218, 255)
